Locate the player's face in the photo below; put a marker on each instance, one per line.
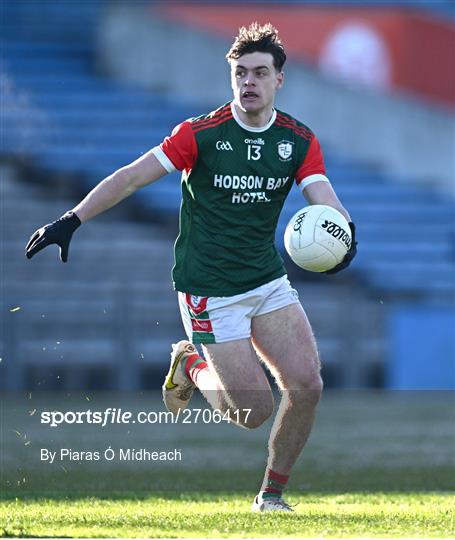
(255, 81)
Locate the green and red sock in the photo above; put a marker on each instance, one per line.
(193, 365)
(275, 485)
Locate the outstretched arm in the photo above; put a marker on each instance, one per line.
(105, 195)
(119, 185)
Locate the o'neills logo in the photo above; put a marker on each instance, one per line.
(255, 141)
(337, 232)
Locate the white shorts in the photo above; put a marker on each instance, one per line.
(217, 319)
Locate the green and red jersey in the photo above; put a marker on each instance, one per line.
(235, 179)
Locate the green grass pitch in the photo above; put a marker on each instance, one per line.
(377, 465)
(223, 515)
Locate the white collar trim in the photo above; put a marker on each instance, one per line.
(251, 128)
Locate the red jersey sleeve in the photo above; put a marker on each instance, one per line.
(180, 147)
(313, 162)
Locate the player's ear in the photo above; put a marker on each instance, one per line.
(279, 80)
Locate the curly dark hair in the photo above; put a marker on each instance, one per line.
(257, 38)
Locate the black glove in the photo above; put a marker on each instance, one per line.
(58, 232)
(349, 255)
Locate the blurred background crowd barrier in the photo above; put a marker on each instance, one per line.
(89, 86)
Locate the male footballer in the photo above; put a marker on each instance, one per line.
(238, 165)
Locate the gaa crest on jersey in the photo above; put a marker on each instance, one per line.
(223, 145)
(285, 149)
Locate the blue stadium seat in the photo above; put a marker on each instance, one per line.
(64, 118)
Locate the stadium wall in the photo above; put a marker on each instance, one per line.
(422, 348)
(411, 141)
(390, 48)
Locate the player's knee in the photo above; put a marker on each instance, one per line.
(307, 380)
(258, 413)
(256, 418)
(310, 380)
(307, 394)
(311, 384)
(315, 385)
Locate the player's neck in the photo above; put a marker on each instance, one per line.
(256, 119)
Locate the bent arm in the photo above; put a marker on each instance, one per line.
(323, 193)
(119, 185)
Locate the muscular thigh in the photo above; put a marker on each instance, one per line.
(285, 341)
(240, 373)
(236, 365)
